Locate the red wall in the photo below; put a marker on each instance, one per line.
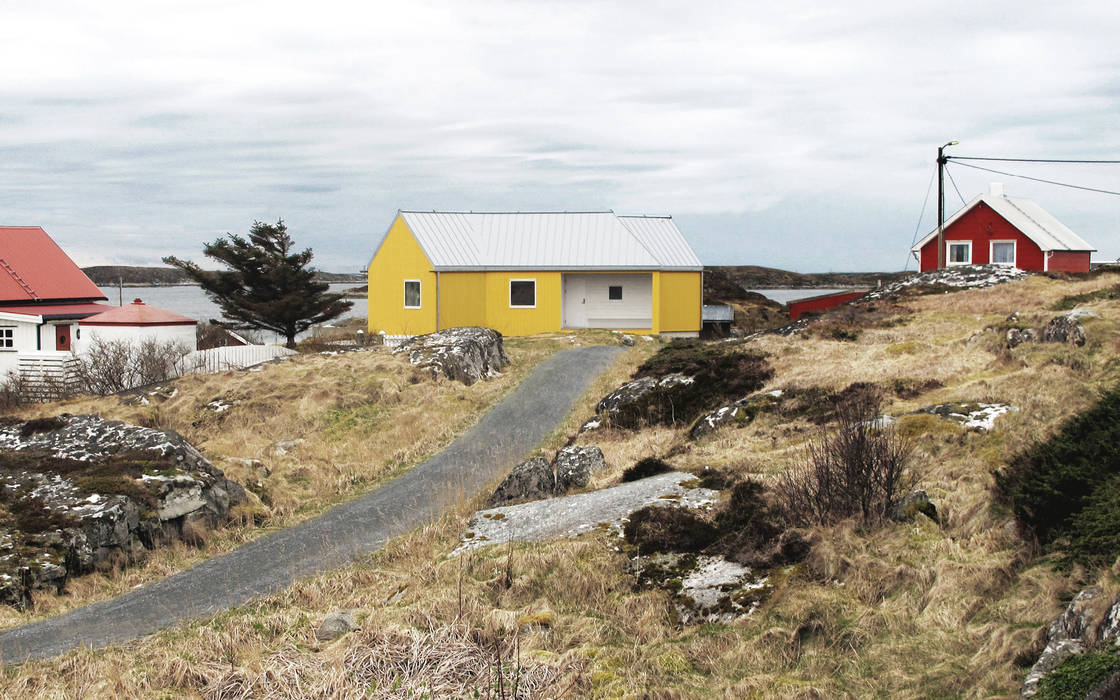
(982, 225)
(821, 303)
(1069, 261)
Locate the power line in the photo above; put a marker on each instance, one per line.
(920, 217)
(1038, 179)
(1034, 160)
(955, 186)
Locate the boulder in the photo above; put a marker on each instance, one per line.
(1018, 336)
(574, 466)
(87, 493)
(973, 416)
(1078, 628)
(629, 401)
(915, 502)
(1065, 329)
(336, 625)
(740, 412)
(465, 354)
(530, 480)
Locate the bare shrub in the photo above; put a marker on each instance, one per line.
(218, 335)
(858, 470)
(13, 391)
(111, 366)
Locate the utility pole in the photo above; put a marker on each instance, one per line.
(941, 160)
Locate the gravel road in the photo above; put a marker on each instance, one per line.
(511, 429)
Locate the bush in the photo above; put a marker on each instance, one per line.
(668, 529)
(1051, 483)
(859, 470)
(650, 466)
(1077, 675)
(112, 366)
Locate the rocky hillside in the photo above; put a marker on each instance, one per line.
(135, 276)
(755, 277)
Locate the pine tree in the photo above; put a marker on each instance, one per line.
(267, 285)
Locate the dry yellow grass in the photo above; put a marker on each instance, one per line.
(916, 609)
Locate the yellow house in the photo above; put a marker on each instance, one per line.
(526, 273)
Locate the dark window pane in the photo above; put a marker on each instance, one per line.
(412, 293)
(614, 292)
(958, 253)
(523, 293)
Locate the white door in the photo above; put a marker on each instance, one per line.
(608, 301)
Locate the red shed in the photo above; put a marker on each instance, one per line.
(996, 229)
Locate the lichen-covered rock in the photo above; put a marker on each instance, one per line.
(1072, 632)
(628, 400)
(82, 493)
(1018, 336)
(740, 412)
(574, 466)
(529, 481)
(958, 277)
(975, 416)
(704, 588)
(465, 354)
(1064, 329)
(335, 625)
(912, 504)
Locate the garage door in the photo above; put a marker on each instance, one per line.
(608, 301)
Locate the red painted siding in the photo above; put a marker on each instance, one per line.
(981, 225)
(1069, 261)
(821, 303)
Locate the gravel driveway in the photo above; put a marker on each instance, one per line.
(511, 429)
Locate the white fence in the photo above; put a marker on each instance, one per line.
(47, 376)
(231, 357)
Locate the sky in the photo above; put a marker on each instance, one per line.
(797, 135)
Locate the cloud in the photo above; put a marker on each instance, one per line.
(806, 131)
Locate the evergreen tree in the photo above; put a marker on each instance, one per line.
(267, 285)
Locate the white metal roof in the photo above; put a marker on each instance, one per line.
(1035, 223)
(458, 241)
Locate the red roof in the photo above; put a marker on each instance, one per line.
(56, 311)
(33, 268)
(138, 314)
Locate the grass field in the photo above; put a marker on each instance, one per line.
(955, 608)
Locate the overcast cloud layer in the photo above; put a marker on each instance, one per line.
(800, 136)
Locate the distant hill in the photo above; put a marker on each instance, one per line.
(134, 276)
(756, 277)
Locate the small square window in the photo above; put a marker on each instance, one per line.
(523, 293)
(412, 294)
(7, 337)
(960, 253)
(614, 292)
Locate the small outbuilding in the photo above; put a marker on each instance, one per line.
(138, 322)
(996, 229)
(526, 273)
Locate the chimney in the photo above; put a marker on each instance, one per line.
(995, 189)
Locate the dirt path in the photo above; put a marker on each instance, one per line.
(511, 429)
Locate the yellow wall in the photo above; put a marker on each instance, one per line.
(545, 318)
(400, 258)
(462, 299)
(679, 301)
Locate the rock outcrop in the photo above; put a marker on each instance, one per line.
(957, 277)
(82, 492)
(623, 405)
(537, 478)
(974, 416)
(1065, 329)
(465, 354)
(740, 412)
(1088, 622)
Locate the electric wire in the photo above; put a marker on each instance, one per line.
(1039, 179)
(955, 186)
(921, 216)
(1034, 160)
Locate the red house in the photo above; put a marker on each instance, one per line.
(996, 229)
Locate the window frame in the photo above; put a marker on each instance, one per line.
(7, 338)
(509, 295)
(949, 252)
(1014, 252)
(419, 294)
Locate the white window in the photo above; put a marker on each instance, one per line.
(614, 292)
(1003, 253)
(523, 294)
(7, 338)
(412, 294)
(960, 253)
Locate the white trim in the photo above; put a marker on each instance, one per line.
(1014, 252)
(509, 295)
(420, 289)
(949, 247)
